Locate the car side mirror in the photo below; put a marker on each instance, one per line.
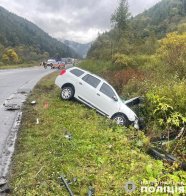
(115, 98)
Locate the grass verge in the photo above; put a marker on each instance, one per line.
(99, 154)
(24, 65)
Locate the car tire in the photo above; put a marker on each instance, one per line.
(121, 119)
(67, 93)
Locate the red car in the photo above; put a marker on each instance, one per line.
(58, 65)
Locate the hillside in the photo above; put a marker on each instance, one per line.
(16, 31)
(143, 31)
(146, 56)
(79, 48)
(166, 16)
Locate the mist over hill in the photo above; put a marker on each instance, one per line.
(79, 48)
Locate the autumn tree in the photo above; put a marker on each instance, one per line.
(10, 56)
(173, 52)
(1, 51)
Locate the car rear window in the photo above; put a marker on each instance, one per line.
(77, 72)
(93, 81)
(107, 90)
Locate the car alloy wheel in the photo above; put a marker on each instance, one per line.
(121, 120)
(67, 93)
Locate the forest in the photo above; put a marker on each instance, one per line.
(22, 41)
(145, 56)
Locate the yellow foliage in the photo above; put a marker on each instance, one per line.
(173, 52)
(10, 56)
(5, 58)
(123, 60)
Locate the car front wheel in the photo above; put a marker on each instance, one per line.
(121, 120)
(67, 93)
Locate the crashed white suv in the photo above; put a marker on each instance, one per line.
(96, 93)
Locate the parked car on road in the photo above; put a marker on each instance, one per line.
(97, 93)
(50, 62)
(55, 64)
(58, 65)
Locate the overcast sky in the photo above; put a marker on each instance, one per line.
(77, 20)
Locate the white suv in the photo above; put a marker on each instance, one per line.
(96, 93)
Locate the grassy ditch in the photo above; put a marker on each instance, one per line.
(164, 97)
(99, 153)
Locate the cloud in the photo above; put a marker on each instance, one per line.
(77, 20)
(138, 6)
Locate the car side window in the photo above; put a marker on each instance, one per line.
(107, 90)
(77, 72)
(93, 81)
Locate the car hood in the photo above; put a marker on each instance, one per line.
(128, 112)
(133, 101)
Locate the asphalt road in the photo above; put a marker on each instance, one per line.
(11, 82)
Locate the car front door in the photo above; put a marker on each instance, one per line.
(107, 100)
(87, 89)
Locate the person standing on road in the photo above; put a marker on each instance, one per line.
(44, 65)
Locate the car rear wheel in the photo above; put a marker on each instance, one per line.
(121, 120)
(67, 93)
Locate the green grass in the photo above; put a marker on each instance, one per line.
(23, 65)
(97, 67)
(100, 154)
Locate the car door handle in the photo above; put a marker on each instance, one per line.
(80, 83)
(98, 94)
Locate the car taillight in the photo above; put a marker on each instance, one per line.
(62, 72)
